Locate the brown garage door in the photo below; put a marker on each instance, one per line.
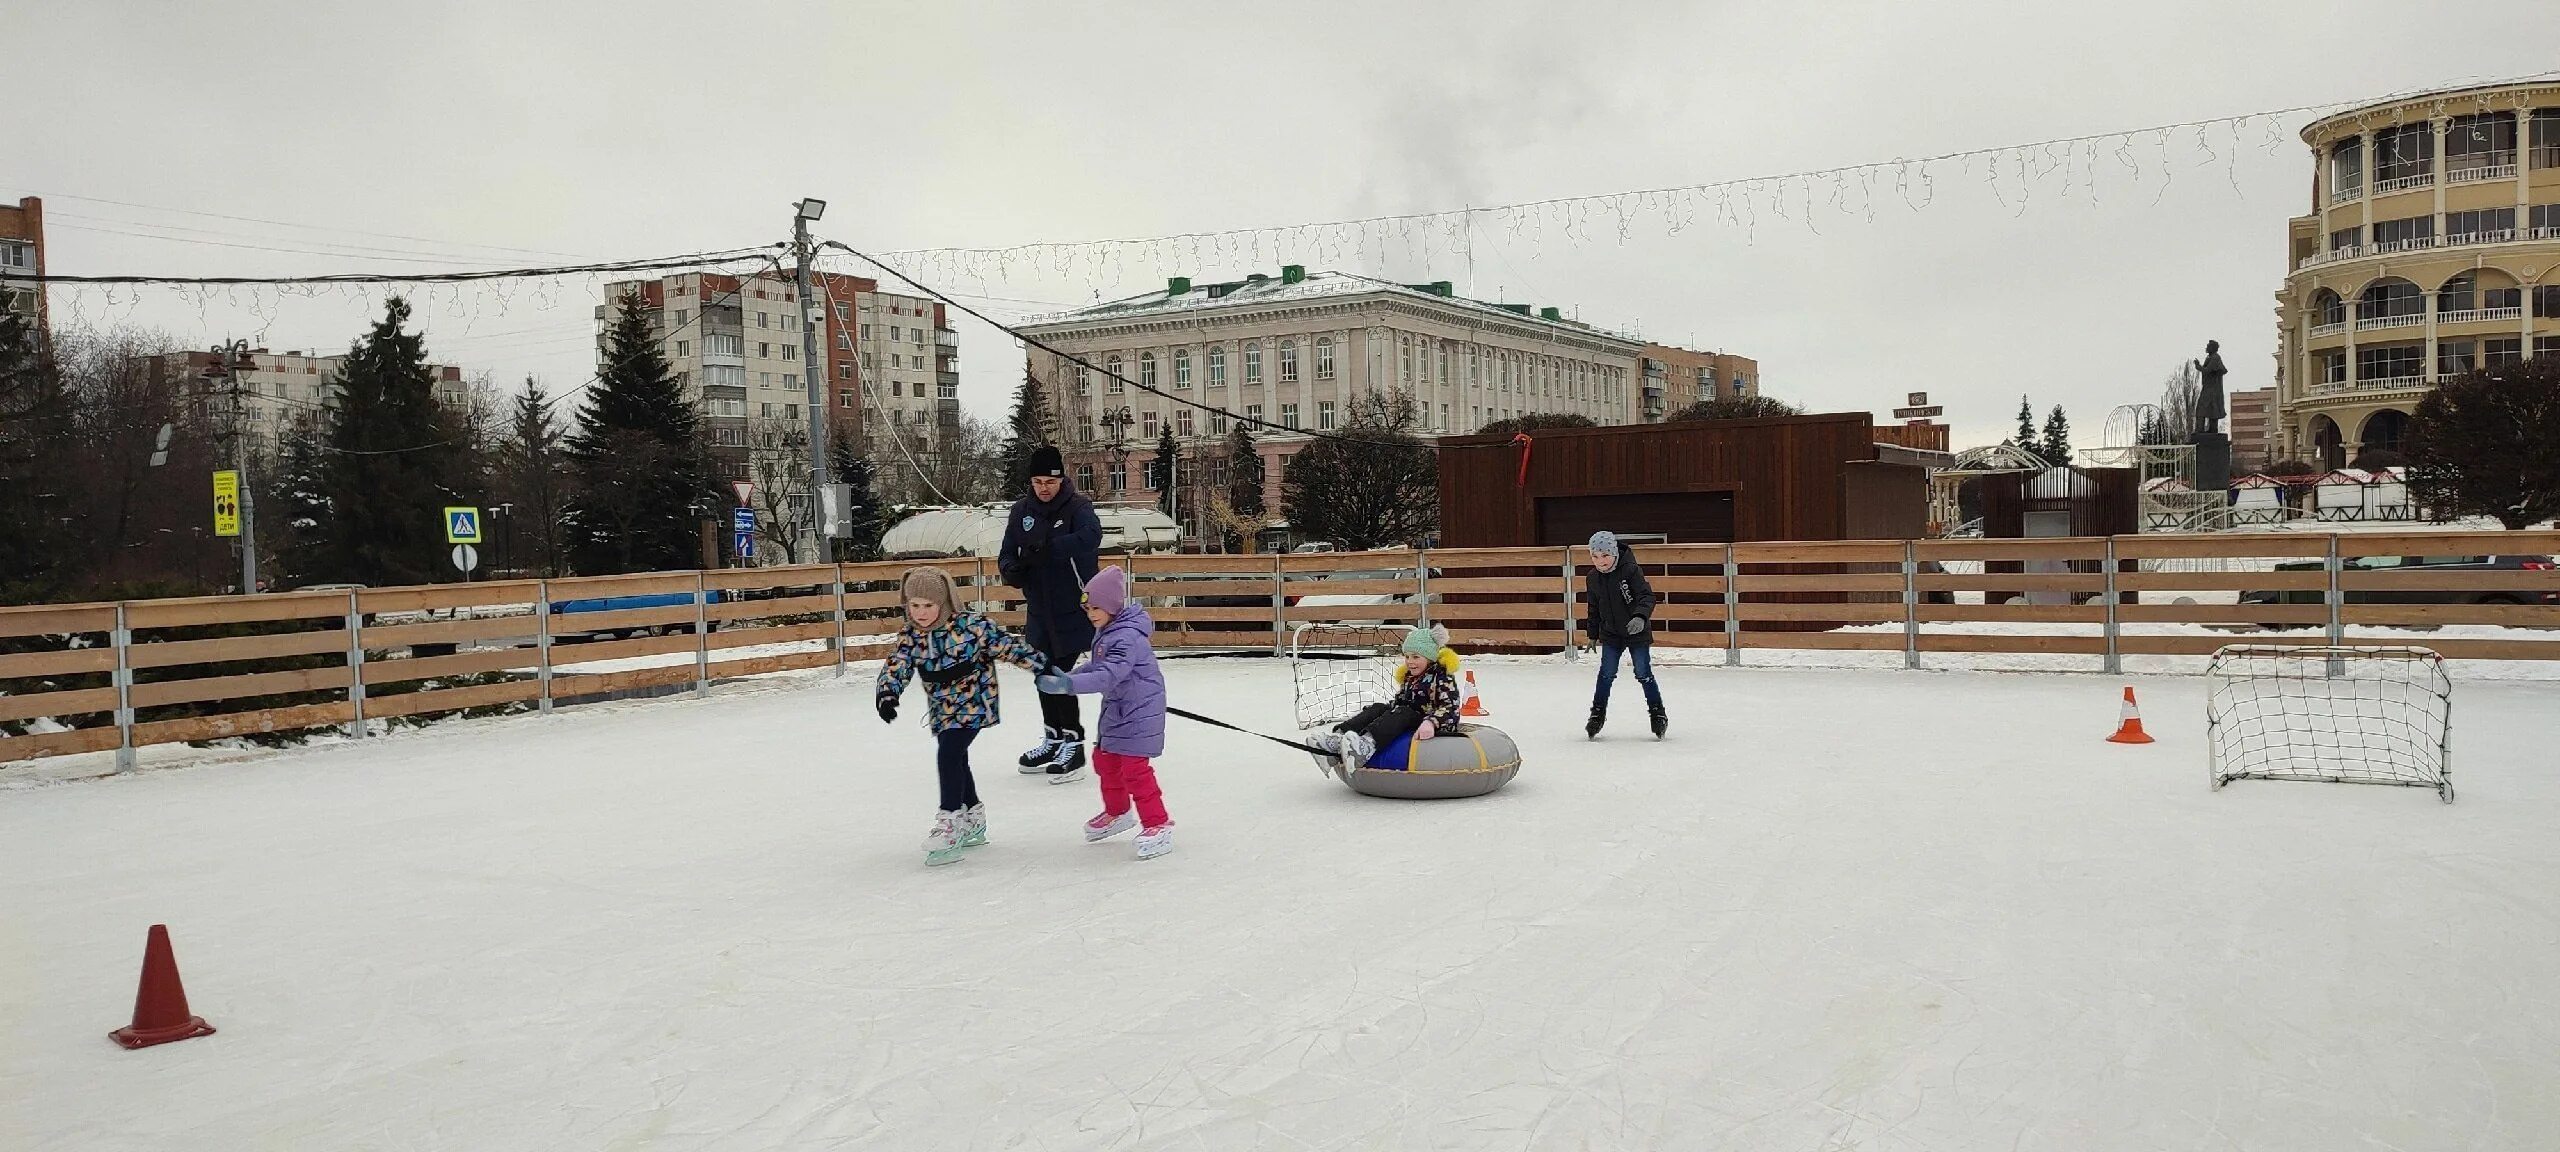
(1680, 517)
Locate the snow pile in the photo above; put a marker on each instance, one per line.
(1836, 909)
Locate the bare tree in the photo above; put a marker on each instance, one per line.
(778, 464)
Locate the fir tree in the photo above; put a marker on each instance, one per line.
(531, 473)
(861, 541)
(391, 464)
(2055, 447)
(638, 465)
(35, 425)
(1166, 472)
(1245, 495)
(2026, 436)
(301, 495)
(1031, 427)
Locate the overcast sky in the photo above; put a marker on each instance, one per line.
(427, 136)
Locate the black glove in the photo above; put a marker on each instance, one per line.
(1033, 552)
(1011, 576)
(888, 706)
(1635, 627)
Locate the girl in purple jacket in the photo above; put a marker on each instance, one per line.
(1122, 668)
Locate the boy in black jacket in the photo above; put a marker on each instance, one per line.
(1618, 612)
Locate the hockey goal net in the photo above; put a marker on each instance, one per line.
(2345, 715)
(1338, 669)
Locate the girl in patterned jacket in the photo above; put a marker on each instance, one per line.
(1425, 704)
(954, 654)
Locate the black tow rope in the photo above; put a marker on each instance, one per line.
(1247, 731)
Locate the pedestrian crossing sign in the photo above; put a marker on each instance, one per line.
(461, 525)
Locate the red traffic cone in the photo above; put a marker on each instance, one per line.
(2129, 726)
(160, 1006)
(1475, 704)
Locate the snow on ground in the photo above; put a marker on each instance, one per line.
(1838, 909)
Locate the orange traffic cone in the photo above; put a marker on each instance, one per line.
(160, 1006)
(2129, 727)
(1475, 704)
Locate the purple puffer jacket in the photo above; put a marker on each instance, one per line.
(1123, 669)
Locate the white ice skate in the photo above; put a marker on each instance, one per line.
(973, 826)
(1156, 841)
(1328, 761)
(1356, 748)
(942, 845)
(1105, 825)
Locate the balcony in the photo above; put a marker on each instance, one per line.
(2378, 323)
(2404, 183)
(2343, 196)
(2546, 156)
(2383, 384)
(2477, 315)
(2320, 330)
(2482, 173)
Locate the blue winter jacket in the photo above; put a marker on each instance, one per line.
(1048, 553)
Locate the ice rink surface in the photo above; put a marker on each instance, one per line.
(1836, 910)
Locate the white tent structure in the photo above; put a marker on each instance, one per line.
(978, 530)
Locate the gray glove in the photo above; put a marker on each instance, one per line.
(1635, 627)
(1054, 683)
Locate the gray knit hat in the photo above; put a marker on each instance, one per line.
(1604, 543)
(932, 584)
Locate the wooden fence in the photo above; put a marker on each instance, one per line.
(92, 677)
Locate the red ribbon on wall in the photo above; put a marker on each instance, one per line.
(1522, 439)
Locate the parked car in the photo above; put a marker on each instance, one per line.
(2413, 595)
(564, 630)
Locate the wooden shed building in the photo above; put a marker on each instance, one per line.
(1821, 477)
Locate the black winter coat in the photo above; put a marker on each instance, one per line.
(1049, 553)
(1612, 598)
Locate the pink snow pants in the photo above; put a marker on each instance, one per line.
(1128, 778)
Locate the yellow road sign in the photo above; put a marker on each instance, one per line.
(226, 503)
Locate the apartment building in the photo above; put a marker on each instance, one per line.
(2253, 426)
(889, 362)
(22, 255)
(1674, 378)
(281, 390)
(2429, 250)
(1295, 350)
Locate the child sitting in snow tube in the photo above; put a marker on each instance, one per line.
(1425, 704)
(1413, 746)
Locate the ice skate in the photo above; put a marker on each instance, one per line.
(942, 845)
(1599, 716)
(1036, 761)
(1105, 826)
(1329, 757)
(1067, 766)
(973, 826)
(1156, 841)
(1661, 722)
(1356, 748)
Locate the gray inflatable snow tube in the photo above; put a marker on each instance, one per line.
(1471, 761)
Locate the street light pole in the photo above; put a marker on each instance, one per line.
(804, 212)
(229, 360)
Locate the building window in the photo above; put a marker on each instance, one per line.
(2332, 366)
(2545, 220)
(1217, 367)
(1324, 415)
(2407, 152)
(1218, 422)
(765, 410)
(2546, 301)
(2546, 346)
(764, 350)
(1289, 416)
(848, 398)
(728, 436)
(1146, 369)
(1182, 368)
(2391, 362)
(2346, 168)
(1404, 359)
(1119, 476)
(1084, 431)
(2454, 357)
(1288, 361)
(1113, 376)
(764, 320)
(684, 347)
(1443, 425)
(896, 333)
(1253, 413)
(2389, 300)
(1182, 423)
(1253, 362)
(2494, 353)
(2407, 232)
(2346, 239)
(2327, 308)
(1084, 477)
(1444, 365)
(2502, 300)
(2481, 141)
(1324, 357)
(1149, 421)
(1084, 380)
(866, 331)
(2457, 295)
(844, 371)
(2485, 226)
(790, 352)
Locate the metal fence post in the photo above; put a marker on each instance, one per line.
(542, 642)
(123, 639)
(355, 665)
(1279, 608)
(1732, 610)
(841, 643)
(2332, 597)
(701, 636)
(2115, 655)
(1570, 652)
(1910, 604)
(1422, 583)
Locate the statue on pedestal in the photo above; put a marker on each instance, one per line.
(2209, 407)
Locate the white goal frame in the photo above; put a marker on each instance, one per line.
(1337, 669)
(2348, 715)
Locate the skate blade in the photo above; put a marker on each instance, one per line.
(1066, 777)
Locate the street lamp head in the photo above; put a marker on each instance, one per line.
(811, 209)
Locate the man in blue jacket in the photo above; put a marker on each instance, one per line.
(1050, 541)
